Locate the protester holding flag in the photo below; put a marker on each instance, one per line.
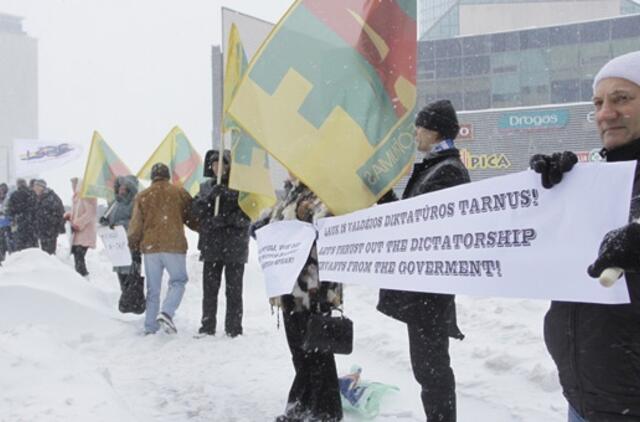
(596, 347)
(48, 216)
(82, 218)
(430, 317)
(119, 213)
(223, 244)
(157, 231)
(21, 207)
(315, 391)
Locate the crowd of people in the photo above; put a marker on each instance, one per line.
(596, 347)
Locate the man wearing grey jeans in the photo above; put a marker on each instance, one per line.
(156, 230)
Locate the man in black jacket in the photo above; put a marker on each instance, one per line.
(48, 216)
(597, 347)
(21, 208)
(430, 318)
(223, 244)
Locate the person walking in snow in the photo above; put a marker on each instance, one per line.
(430, 317)
(82, 217)
(21, 208)
(119, 214)
(5, 221)
(156, 230)
(596, 347)
(315, 392)
(223, 245)
(49, 216)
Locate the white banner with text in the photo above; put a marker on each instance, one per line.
(115, 245)
(505, 236)
(283, 249)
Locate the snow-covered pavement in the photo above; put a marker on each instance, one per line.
(66, 354)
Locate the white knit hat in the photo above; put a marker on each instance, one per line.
(626, 67)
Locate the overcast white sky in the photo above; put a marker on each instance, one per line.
(131, 69)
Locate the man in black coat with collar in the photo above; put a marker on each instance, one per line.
(223, 244)
(596, 347)
(430, 317)
(22, 208)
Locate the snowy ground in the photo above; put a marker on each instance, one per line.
(67, 355)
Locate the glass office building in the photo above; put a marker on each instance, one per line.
(548, 65)
(440, 19)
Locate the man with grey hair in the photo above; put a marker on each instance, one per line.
(597, 347)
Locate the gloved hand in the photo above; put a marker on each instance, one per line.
(552, 167)
(217, 221)
(619, 248)
(136, 257)
(104, 221)
(216, 190)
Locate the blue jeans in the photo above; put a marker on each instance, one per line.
(574, 417)
(154, 265)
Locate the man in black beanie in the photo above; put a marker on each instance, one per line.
(431, 318)
(156, 234)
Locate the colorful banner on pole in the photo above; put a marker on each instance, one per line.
(33, 156)
(102, 169)
(331, 95)
(183, 161)
(250, 173)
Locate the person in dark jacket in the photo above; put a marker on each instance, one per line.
(223, 244)
(119, 214)
(596, 347)
(48, 217)
(21, 207)
(430, 318)
(315, 391)
(5, 221)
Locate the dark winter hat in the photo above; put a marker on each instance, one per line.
(160, 171)
(439, 116)
(40, 182)
(214, 155)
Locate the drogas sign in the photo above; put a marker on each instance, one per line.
(543, 119)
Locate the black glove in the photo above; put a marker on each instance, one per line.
(104, 221)
(216, 190)
(552, 167)
(217, 221)
(136, 257)
(619, 248)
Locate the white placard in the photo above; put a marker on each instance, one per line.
(283, 249)
(115, 245)
(506, 236)
(34, 156)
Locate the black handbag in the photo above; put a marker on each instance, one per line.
(132, 299)
(329, 334)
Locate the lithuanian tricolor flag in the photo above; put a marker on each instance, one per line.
(102, 168)
(182, 159)
(331, 94)
(249, 161)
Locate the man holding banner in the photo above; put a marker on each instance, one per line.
(597, 347)
(430, 317)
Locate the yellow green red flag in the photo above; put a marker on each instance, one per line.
(250, 173)
(102, 168)
(331, 95)
(183, 161)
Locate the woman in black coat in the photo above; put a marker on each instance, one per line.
(223, 245)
